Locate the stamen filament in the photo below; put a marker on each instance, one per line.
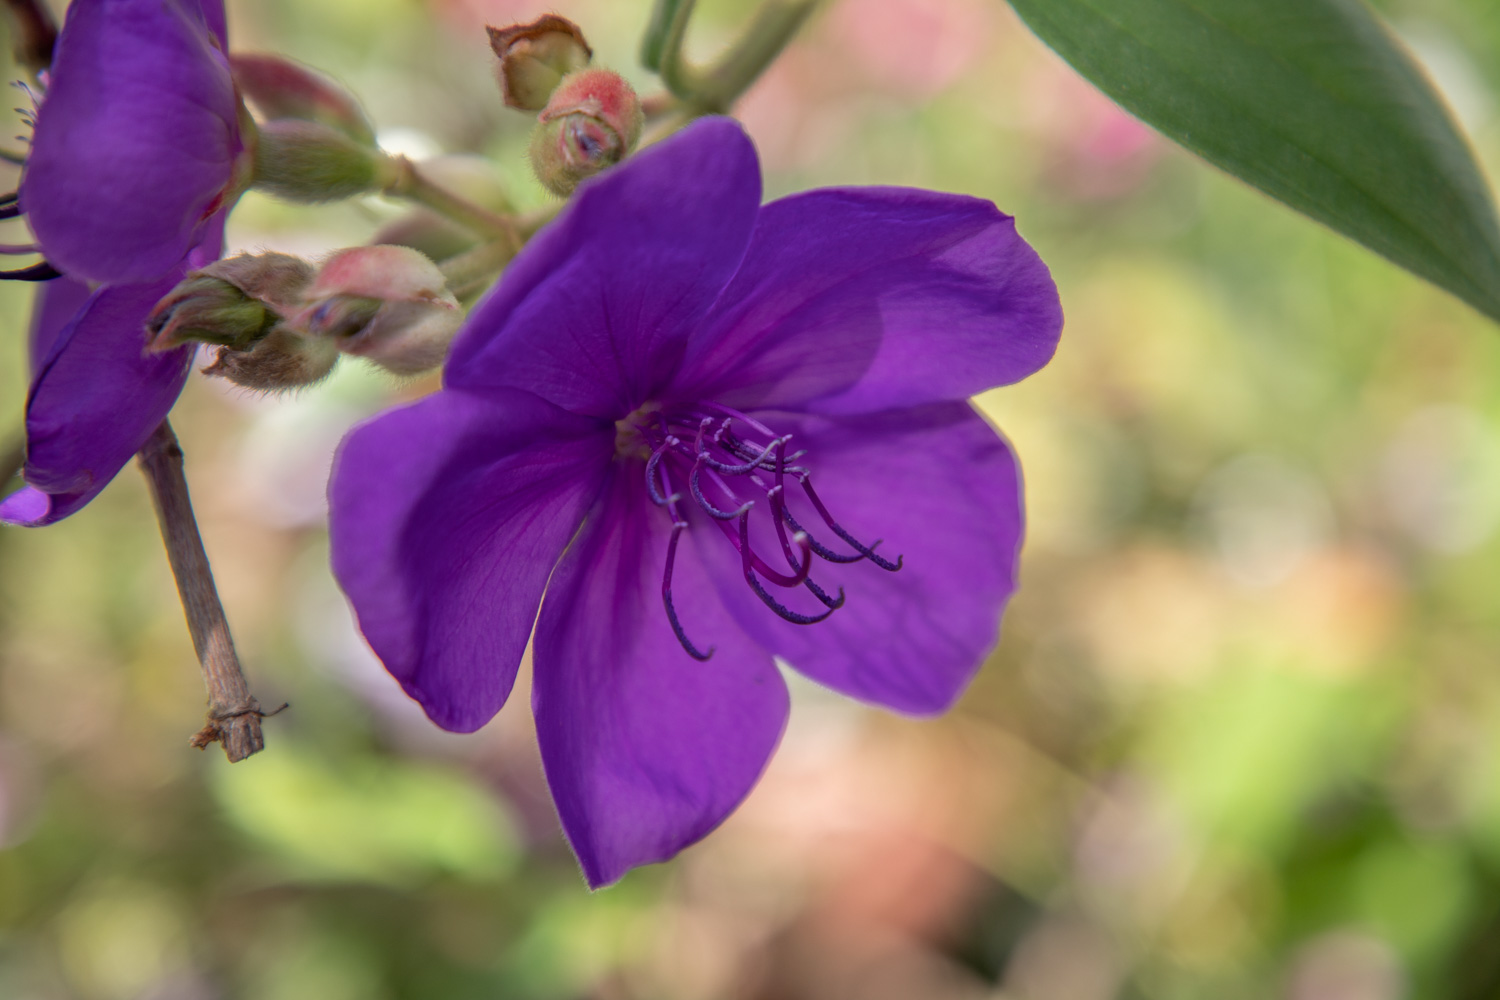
(749, 562)
(867, 551)
(666, 597)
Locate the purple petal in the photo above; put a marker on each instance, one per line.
(594, 313)
(57, 302)
(135, 141)
(646, 749)
(445, 519)
(95, 400)
(863, 299)
(213, 17)
(942, 490)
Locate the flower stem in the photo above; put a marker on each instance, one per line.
(717, 87)
(663, 15)
(407, 181)
(470, 272)
(233, 713)
(12, 460)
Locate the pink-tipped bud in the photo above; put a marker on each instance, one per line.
(592, 121)
(388, 304)
(535, 57)
(281, 88)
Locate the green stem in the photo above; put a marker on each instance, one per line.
(472, 271)
(405, 180)
(13, 460)
(655, 40)
(713, 89)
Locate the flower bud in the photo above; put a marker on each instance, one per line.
(592, 121)
(282, 359)
(280, 88)
(232, 302)
(389, 304)
(535, 57)
(308, 161)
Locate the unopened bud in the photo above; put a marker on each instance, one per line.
(207, 310)
(282, 359)
(308, 161)
(232, 302)
(592, 121)
(535, 57)
(388, 304)
(280, 88)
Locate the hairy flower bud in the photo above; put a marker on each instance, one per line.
(280, 88)
(309, 161)
(388, 304)
(233, 302)
(209, 310)
(592, 121)
(535, 57)
(282, 359)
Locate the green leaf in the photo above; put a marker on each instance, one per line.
(1312, 101)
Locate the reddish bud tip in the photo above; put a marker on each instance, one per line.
(592, 121)
(281, 88)
(388, 304)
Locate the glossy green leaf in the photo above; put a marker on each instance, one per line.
(1313, 102)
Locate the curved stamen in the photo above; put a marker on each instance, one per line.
(868, 551)
(748, 562)
(11, 249)
(708, 508)
(10, 198)
(42, 271)
(737, 415)
(659, 498)
(737, 539)
(819, 549)
(757, 462)
(780, 512)
(828, 602)
(10, 211)
(666, 598)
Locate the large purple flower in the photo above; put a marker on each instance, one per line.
(126, 186)
(702, 426)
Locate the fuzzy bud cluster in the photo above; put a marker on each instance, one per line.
(281, 323)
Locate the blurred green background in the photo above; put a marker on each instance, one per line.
(1241, 738)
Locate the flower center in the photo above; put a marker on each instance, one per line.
(731, 465)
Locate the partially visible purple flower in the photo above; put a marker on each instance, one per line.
(136, 138)
(126, 187)
(692, 420)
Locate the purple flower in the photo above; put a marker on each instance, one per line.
(126, 185)
(136, 139)
(702, 426)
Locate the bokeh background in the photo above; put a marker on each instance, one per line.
(1241, 738)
